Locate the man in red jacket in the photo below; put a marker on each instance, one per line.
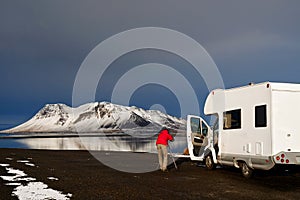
(162, 143)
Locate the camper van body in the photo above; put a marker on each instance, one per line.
(257, 126)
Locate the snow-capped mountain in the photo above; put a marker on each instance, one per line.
(96, 117)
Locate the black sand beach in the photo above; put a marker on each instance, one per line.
(80, 174)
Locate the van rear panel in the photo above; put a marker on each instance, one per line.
(285, 121)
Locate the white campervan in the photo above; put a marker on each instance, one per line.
(257, 127)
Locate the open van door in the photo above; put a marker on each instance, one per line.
(198, 137)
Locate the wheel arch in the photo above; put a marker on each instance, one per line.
(237, 162)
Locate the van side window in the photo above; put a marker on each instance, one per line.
(261, 116)
(232, 119)
(204, 129)
(195, 125)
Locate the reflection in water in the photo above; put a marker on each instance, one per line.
(88, 142)
(113, 150)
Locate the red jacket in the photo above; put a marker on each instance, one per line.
(163, 137)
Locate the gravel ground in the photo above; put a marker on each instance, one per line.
(80, 174)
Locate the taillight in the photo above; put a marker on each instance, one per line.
(277, 158)
(287, 161)
(282, 158)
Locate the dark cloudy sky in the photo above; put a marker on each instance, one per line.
(43, 43)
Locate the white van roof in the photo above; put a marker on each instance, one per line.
(216, 97)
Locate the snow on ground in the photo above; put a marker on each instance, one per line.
(13, 184)
(31, 190)
(30, 164)
(52, 178)
(22, 161)
(38, 191)
(19, 175)
(26, 162)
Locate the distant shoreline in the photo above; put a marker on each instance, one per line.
(55, 135)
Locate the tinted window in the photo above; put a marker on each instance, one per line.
(204, 129)
(195, 125)
(232, 119)
(261, 116)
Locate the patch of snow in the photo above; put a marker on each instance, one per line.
(53, 178)
(30, 164)
(9, 158)
(19, 175)
(13, 184)
(39, 191)
(22, 161)
(33, 190)
(4, 165)
(27, 179)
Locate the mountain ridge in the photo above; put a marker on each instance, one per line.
(95, 117)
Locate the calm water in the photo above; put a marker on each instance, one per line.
(96, 142)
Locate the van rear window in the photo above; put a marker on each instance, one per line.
(232, 119)
(261, 116)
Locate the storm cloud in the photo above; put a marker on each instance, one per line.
(43, 43)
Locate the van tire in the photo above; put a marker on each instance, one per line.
(247, 172)
(209, 162)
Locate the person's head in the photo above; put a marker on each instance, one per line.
(165, 128)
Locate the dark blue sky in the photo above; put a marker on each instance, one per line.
(43, 43)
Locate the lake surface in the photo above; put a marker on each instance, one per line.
(91, 141)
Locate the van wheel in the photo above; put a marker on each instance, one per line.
(209, 162)
(246, 170)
